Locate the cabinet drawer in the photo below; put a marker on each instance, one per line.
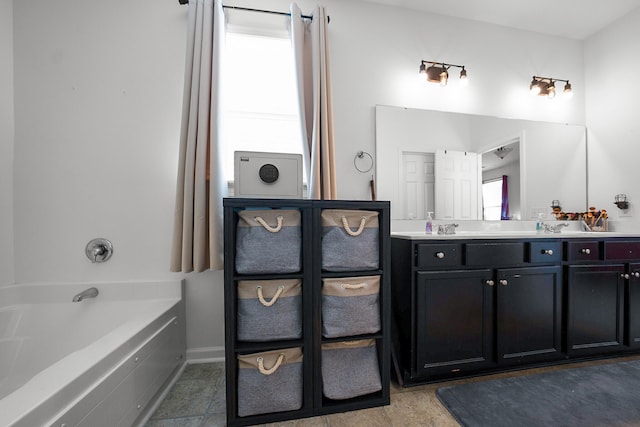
(582, 251)
(544, 252)
(439, 255)
(494, 254)
(622, 250)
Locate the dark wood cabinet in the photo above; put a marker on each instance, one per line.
(529, 314)
(632, 308)
(454, 321)
(456, 314)
(465, 307)
(595, 309)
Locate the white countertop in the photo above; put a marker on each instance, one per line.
(421, 235)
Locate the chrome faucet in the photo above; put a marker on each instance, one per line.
(553, 228)
(87, 293)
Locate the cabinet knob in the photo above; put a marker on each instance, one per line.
(503, 282)
(547, 252)
(440, 255)
(490, 282)
(586, 251)
(636, 274)
(624, 276)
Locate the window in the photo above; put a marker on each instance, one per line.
(492, 199)
(259, 104)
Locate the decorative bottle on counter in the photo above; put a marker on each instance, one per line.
(429, 226)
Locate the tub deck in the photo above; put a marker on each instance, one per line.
(73, 356)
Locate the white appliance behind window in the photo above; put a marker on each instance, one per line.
(269, 175)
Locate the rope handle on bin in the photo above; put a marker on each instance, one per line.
(350, 232)
(271, 370)
(267, 227)
(273, 300)
(354, 286)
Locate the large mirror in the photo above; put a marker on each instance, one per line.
(544, 162)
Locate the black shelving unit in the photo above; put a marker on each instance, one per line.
(311, 274)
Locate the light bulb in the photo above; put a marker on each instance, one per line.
(534, 87)
(444, 77)
(567, 92)
(551, 90)
(464, 80)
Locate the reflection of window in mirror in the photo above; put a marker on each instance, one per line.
(492, 199)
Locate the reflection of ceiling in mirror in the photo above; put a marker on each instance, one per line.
(500, 156)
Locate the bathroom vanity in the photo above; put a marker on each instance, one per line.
(470, 304)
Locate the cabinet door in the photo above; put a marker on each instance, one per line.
(528, 316)
(453, 321)
(633, 306)
(595, 309)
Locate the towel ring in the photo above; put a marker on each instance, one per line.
(368, 163)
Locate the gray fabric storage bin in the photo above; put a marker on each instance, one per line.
(350, 369)
(350, 240)
(270, 381)
(268, 241)
(269, 310)
(350, 306)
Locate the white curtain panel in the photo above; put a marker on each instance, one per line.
(311, 52)
(198, 236)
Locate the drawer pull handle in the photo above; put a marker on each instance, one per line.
(490, 282)
(586, 251)
(503, 282)
(440, 255)
(547, 252)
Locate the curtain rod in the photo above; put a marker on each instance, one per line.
(257, 10)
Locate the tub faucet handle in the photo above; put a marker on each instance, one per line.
(99, 250)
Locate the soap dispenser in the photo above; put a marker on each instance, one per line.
(429, 226)
(539, 223)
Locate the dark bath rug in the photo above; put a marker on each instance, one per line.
(603, 395)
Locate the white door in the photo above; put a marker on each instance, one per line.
(457, 185)
(417, 184)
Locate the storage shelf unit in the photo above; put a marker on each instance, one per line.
(311, 274)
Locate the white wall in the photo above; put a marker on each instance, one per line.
(98, 91)
(6, 143)
(612, 117)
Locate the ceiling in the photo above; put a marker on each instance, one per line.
(575, 19)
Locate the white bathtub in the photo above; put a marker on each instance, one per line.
(97, 362)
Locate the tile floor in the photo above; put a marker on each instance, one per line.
(197, 400)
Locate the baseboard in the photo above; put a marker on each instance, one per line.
(205, 354)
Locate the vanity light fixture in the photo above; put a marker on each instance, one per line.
(546, 86)
(438, 72)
